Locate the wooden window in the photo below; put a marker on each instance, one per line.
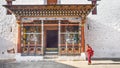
(51, 2)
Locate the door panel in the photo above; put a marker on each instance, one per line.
(52, 38)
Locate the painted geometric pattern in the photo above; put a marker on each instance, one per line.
(50, 10)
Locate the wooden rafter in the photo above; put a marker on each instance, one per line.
(51, 10)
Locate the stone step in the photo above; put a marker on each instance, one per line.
(51, 53)
(50, 56)
(51, 49)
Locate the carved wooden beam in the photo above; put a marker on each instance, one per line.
(51, 10)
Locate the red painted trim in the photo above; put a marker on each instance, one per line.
(82, 37)
(19, 39)
(49, 2)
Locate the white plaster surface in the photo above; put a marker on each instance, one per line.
(8, 33)
(83, 56)
(104, 30)
(103, 33)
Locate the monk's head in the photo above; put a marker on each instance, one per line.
(88, 45)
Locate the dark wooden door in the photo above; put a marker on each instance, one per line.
(52, 38)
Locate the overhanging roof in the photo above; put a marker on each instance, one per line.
(81, 10)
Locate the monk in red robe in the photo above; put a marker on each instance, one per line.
(90, 53)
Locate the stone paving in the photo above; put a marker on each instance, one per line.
(60, 64)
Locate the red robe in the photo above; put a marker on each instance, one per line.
(90, 53)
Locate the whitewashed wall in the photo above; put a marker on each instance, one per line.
(104, 30)
(103, 34)
(8, 33)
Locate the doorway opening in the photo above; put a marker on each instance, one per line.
(52, 39)
(51, 42)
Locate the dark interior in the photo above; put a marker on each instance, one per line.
(52, 38)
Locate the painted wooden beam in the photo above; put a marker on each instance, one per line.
(50, 24)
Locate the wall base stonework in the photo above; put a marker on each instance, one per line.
(20, 58)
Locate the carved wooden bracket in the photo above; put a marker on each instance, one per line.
(9, 3)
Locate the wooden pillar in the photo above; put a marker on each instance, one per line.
(42, 38)
(49, 2)
(59, 35)
(19, 37)
(82, 36)
(95, 9)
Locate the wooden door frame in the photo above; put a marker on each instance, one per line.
(45, 33)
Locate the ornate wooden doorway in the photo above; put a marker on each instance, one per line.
(52, 39)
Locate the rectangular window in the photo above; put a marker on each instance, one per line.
(31, 43)
(70, 34)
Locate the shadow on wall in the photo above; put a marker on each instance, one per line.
(6, 46)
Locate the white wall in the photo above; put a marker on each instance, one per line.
(104, 30)
(8, 33)
(103, 34)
